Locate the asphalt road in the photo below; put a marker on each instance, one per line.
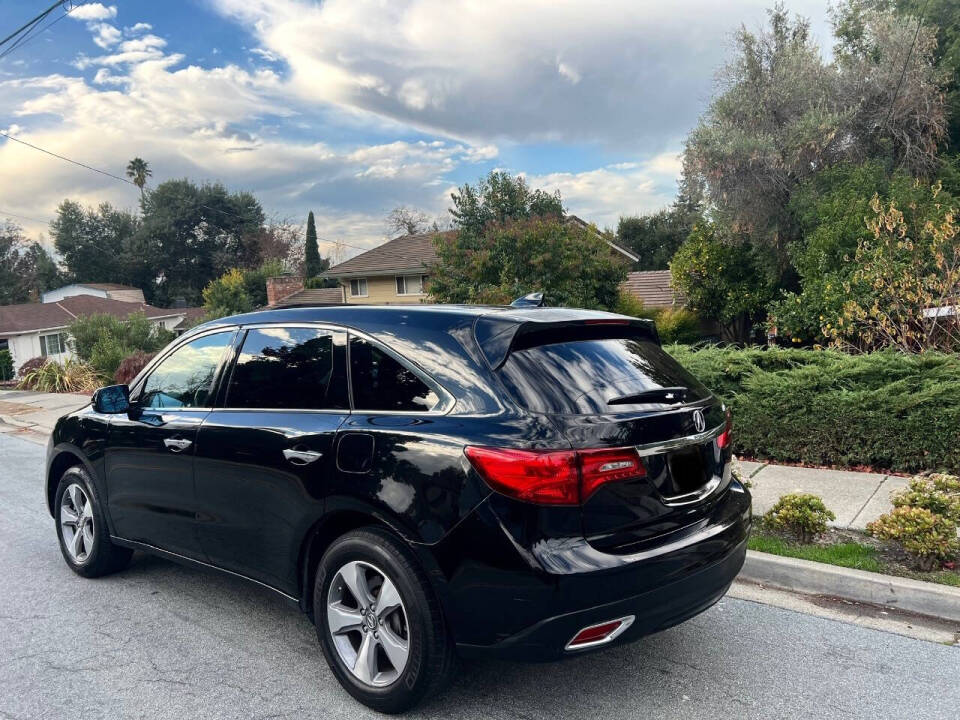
(164, 641)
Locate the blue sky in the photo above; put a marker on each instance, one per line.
(352, 107)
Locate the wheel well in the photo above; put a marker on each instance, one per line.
(320, 537)
(57, 468)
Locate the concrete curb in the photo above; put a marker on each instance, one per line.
(10, 420)
(813, 578)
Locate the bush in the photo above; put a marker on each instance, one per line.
(6, 365)
(104, 340)
(938, 493)
(801, 514)
(31, 365)
(678, 325)
(69, 376)
(130, 366)
(822, 407)
(930, 538)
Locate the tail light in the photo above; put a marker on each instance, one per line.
(564, 477)
(599, 634)
(725, 438)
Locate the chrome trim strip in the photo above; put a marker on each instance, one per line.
(626, 622)
(676, 443)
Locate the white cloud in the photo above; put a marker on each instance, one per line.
(266, 54)
(568, 72)
(138, 28)
(93, 11)
(105, 35)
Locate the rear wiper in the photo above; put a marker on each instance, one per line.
(672, 395)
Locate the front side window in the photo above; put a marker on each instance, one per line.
(288, 368)
(409, 284)
(358, 287)
(55, 344)
(382, 383)
(184, 379)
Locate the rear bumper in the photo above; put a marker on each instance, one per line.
(526, 602)
(655, 610)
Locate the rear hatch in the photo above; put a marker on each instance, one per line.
(606, 383)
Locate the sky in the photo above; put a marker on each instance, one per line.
(350, 108)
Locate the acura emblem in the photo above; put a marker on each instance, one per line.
(698, 422)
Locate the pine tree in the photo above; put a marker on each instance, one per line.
(312, 263)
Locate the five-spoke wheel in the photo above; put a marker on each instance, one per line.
(77, 527)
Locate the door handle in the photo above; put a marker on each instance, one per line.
(301, 457)
(177, 444)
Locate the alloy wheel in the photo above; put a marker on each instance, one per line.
(76, 523)
(368, 624)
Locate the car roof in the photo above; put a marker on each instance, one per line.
(438, 317)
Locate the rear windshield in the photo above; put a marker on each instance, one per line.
(583, 377)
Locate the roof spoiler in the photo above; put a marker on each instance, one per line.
(498, 336)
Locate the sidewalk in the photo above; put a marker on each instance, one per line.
(855, 497)
(34, 411)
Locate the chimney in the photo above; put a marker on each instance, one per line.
(282, 287)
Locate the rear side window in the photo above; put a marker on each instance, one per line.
(382, 383)
(288, 369)
(597, 376)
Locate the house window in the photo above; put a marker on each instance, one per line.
(358, 287)
(410, 284)
(55, 344)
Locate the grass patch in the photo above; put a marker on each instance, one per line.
(847, 554)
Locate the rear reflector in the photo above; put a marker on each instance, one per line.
(562, 477)
(725, 437)
(594, 635)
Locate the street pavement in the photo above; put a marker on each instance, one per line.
(164, 641)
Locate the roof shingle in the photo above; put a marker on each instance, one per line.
(41, 316)
(407, 252)
(653, 288)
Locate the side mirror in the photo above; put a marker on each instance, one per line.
(112, 399)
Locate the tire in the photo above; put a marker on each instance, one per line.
(92, 554)
(360, 560)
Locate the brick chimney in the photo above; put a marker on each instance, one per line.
(282, 287)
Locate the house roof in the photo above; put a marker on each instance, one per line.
(653, 288)
(413, 253)
(315, 296)
(44, 316)
(416, 253)
(106, 286)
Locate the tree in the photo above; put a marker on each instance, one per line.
(96, 244)
(408, 221)
(138, 170)
(500, 198)
(655, 238)
(784, 115)
(26, 268)
(104, 340)
(573, 266)
(312, 263)
(730, 281)
(227, 295)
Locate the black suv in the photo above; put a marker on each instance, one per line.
(427, 482)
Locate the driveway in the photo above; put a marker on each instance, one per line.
(164, 641)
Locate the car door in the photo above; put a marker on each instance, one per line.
(150, 450)
(264, 459)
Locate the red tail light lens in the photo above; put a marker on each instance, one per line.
(564, 477)
(725, 438)
(545, 478)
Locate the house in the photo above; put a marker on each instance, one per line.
(653, 289)
(111, 291)
(288, 290)
(398, 271)
(40, 329)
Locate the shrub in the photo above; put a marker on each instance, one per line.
(802, 514)
(69, 376)
(31, 365)
(130, 366)
(630, 304)
(6, 365)
(930, 538)
(822, 407)
(938, 493)
(678, 325)
(104, 340)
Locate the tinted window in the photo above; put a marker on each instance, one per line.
(583, 377)
(382, 383)
(185, 378)
(287, 368)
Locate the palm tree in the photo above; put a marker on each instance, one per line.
(138, 170)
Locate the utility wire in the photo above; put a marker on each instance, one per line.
(903, 73)
(30, 36)
(29, 25)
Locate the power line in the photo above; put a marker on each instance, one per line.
(34, 22)
(30, 36)
(903, 73)
(6, 213)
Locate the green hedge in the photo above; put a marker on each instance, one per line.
(885, 409)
